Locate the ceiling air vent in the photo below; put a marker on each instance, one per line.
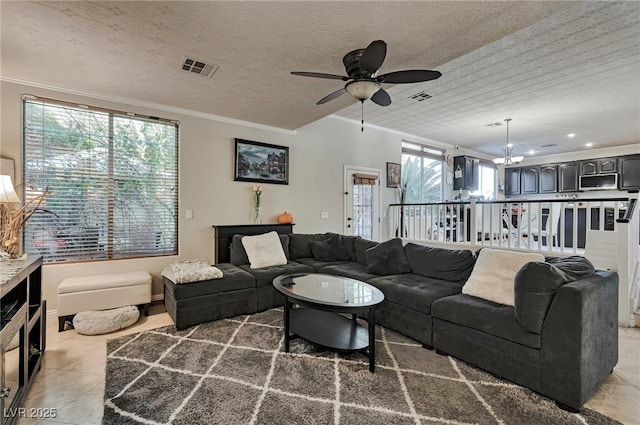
(494, 124)
(198, 67)
(550, 145)
(420, 96)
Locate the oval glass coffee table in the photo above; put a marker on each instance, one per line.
(323, 299)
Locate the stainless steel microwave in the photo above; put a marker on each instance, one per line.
(599, 182)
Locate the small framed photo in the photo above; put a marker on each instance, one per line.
(393, 174)
(261, 162)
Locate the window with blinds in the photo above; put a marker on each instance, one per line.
(111, 180)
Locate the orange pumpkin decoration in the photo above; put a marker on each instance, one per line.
(285, 218)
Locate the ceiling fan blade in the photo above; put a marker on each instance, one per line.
(321, 75)
(373, 56)
(381, 97)
(331, 96)
(408, 76)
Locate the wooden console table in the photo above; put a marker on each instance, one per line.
(223, 236)
(23, 317)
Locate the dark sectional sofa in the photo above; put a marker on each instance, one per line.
(560, 339)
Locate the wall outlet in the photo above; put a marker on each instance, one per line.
(189, 213)
(324, 214)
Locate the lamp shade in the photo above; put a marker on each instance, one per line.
(7, 192)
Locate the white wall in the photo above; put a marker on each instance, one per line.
(318, 153)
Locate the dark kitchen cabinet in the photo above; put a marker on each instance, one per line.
(629, 172)
(598, 166)
(529, 177)
(568, 177)
(465, 173)
(512, 181)
(548, 179)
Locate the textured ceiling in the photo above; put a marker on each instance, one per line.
(547, 65)
(576, 72)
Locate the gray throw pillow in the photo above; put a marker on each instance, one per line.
(299, 244)
(387, 258)
(454, 265)
(350, 243)
(362, 245)
(238, 256)
(331, 249)
(536, 284)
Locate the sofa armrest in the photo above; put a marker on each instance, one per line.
(579, 345)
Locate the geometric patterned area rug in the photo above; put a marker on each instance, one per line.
(233, 371)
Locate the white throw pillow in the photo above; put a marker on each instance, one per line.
(264, 250)
(494, 272)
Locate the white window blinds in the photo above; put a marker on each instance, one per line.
(112, 182)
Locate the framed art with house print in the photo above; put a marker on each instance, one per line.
(261, 162)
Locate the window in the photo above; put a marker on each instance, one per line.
(487, 182)
(422, 173)
(112, 182)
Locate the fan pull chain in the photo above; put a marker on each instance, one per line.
(362, 115)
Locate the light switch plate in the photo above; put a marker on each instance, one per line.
(324, 214)
(189, 213)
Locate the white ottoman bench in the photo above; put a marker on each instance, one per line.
(102, 292)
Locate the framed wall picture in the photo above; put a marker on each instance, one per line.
(393, 174)
(261, 162)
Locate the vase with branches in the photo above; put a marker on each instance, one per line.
(12, 222)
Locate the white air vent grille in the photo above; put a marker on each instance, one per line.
(420, 96)
(198, 67)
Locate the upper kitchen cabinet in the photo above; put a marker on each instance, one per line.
(512, 181)
(629, 172)
(548, 178)
(465, 173)
(568, 177)
(598, 166)
(529, 177)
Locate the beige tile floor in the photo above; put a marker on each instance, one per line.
(72, 376)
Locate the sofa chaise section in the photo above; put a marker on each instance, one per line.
(197, 302)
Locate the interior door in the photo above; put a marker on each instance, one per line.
(362, 202)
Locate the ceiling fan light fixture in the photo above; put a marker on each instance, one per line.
(363, 89)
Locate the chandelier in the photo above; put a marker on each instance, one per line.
(508, 157)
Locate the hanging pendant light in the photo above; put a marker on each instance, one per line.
(508, 157)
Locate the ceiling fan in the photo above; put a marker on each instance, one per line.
(363, 82)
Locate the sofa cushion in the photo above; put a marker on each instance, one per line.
(454, 265)
(413, 290)
(330, 249)
(318, 264)
(387, 258)
(264, 250)
(233, 278)
(361, 245)
(485, 316)
(494, 272)
(537, 283)
(265, 276)
(351, 269)
(238, 255)
(299, 244)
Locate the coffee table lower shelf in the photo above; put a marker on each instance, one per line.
(328, 330)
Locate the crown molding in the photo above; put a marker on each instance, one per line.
(151, 105)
